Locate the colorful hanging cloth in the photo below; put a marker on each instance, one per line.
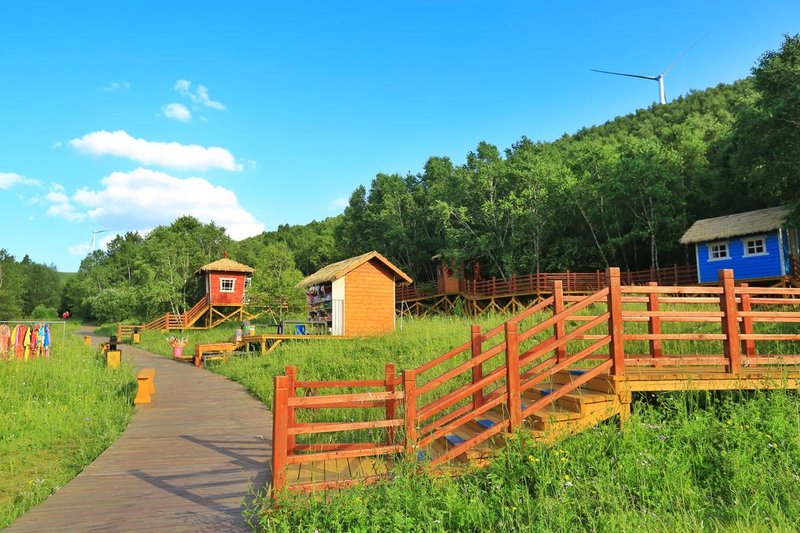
(27, 344)
(19, 340)
(5, 338)
(46, 340)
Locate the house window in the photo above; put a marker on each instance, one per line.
(717, 251)
(754, 246)
(226, 284)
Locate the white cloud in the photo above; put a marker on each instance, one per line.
(60, 205)
(177, 112)
(184, 88)
(339, 203)
(142, 199)
(166, 154)
(115, 86)
(9, 179)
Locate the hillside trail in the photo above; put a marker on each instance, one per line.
(186, 462)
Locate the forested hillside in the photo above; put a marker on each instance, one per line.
(621, 193)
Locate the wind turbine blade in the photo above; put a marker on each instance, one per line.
(624, 74)
(675, 61)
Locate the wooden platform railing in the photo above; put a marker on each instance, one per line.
(541, 282)
(286, 428)
(725, 330)
(190, 317)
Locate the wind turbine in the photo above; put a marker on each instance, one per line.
(95, 233)
(662, 97)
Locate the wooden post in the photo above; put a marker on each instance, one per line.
(512, 376)
(558, 328)
(410, 404)
(599, 283)
(119, 332)
(567, 279)
(747, 323)
(616, 348)
(477, 370)
(727, 303)
(291, 387)
(391, 404)
(675, 270)
(280, 427)
(654, 324)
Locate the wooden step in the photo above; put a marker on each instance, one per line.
(602, 383)
(464, 433)
(576, 400)
(488, 420)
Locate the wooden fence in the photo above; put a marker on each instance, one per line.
(618, 330)
(167, 321)
(541, 282)
(286, 451)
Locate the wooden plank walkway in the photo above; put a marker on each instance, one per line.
(186, 462)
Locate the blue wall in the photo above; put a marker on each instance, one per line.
(760, 266)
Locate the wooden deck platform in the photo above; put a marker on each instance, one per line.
(337, 472)
(185, 463)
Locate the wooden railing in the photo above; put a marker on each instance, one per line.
(192, 314)
(167, 321)
(618, 329)
(794, 268)
(541, 282)
(286, 451)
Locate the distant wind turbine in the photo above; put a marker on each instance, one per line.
(662, 97)
(95, 233)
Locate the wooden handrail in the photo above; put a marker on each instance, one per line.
(726, 314)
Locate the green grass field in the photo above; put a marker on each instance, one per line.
(56, 416)
(686, 461)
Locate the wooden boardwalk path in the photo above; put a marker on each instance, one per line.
(186, 462)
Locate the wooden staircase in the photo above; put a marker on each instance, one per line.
(212, 317)
(559, 367)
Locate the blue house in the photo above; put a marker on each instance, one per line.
(757, 245)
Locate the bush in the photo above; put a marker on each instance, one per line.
(42, 312)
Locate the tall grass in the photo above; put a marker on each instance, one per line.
(56, 416)
(685, 462)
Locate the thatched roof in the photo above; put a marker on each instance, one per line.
(335, 271)
(225, 265)
(710, 229)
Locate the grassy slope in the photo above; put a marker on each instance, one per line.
(687, 461)
(56, 416)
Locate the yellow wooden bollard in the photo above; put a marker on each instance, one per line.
(113, 358)
(87, 340)
(137, 337)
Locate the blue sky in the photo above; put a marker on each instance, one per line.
(122, 116)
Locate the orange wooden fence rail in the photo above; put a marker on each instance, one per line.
(286, 451)
(541, 282)
(616, 329)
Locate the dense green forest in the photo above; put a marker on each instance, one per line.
(621, 193)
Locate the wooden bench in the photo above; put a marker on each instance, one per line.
(147, 386)
(212, 352)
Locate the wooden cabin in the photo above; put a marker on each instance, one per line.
(226, 281)
(756, 245)
(354, 297)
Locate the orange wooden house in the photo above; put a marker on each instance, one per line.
(354, 297)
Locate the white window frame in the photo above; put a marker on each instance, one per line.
(710, 247)
(222, 284)
(762, 238)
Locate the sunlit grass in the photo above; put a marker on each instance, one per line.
(56, 416)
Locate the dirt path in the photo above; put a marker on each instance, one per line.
(186, 462)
